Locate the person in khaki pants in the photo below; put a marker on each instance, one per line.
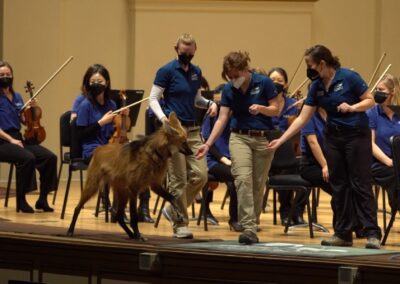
(251, 101)
(179, 82)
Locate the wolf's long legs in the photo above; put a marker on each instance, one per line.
(159, 190)
(119, 216)
(134, 217)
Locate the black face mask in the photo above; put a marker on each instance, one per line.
(6, 82)
(96, 89)
(185, 58)
(380, 97)
(312, 74)
(279, 87)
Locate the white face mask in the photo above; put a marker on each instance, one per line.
(238, 82)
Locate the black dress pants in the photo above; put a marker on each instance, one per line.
(385, 177)
(349, 156)
(223, 173)
(26, 160)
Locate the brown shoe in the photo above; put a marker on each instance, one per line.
(337, 242)
(248, 238)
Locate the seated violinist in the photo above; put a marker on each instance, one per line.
(26, 156)
(281, 122)
(95, 113)
(384, 123)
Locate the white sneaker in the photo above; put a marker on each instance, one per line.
(183, 233)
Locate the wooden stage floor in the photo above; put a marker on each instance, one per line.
(35, 246)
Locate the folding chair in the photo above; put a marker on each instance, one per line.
(395, 143)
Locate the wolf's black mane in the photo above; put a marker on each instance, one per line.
(135, 145)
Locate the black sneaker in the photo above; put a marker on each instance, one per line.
(248, 238)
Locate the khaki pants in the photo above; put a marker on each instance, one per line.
(250, 167)
(187, 176)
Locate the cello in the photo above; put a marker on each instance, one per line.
(121, 123)
(34, 132)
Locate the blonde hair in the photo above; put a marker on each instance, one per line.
(392, 83)
(238, 60)
(259, 70)
(186, 39)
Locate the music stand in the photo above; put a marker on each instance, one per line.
(131, 97)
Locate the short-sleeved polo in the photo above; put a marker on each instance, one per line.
(384, 128)
(346, 87)
(180, 89)
(260, 91)
(9, 112)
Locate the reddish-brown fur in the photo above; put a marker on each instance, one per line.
(130, 168)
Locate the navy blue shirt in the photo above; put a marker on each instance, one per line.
(89, 114)
(260, 91)
(315, 126)
(384, 128)
(79, 99)
(281, 122)
(222, 143)
(347, 86)
(180, 89)
(9, 112)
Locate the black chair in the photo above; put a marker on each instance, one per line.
(65, 142)
(10, 174)
(76, 162)
(285, 159)
(395, 143)
(377, 190)
(204, 194)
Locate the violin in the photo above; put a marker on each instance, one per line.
(122, 122)
(34, 132)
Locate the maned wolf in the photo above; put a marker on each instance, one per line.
(130, 168)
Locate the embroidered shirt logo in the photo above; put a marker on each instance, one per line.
(194, 77)
(320, 93)
(255, 90)
(338, 87)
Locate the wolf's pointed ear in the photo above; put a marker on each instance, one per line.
(169, 129)
(172, 117)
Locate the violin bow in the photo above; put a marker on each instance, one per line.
(47, 82)
(295, 72)
(129, 106)
(376, 68)
(298, 88)
(380, 78)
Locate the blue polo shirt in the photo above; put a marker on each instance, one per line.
(347, 86)
(222, 143)
(384, 128)
(315, 126)
(79, 99)
(180, 89)
(260, 91)
(280, 122)
(9, 112)
(89, 114)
